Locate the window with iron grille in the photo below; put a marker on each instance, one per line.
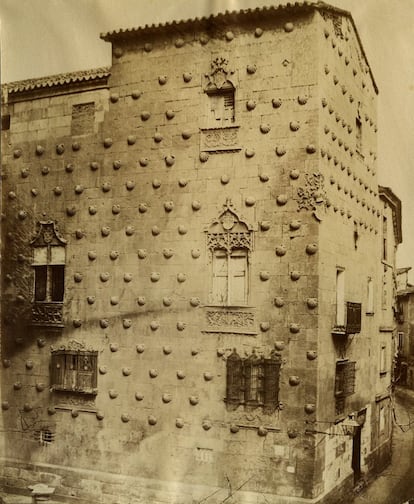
(74, 371)
(345, 378)
(253, 381)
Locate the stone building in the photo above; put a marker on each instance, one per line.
(404, 347)
(196, 302)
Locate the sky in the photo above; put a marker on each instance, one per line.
(46, 37)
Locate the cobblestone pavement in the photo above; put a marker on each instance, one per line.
(395, 485)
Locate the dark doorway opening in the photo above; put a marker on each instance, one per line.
(356, 454)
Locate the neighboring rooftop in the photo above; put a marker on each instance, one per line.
(79, 79)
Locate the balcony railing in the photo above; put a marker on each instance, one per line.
(47, 314)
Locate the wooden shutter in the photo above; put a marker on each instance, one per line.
(234, 384)
(238, 278)
(86, 376)
(57, 371)
(220, 277)
(57, 274)
(40, 283)
(349, 378)
(353, 317)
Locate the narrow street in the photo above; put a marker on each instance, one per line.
(396, 484)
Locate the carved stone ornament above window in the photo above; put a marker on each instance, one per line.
(229, 231)
(219, 75)
(312, 196)
(47, 234)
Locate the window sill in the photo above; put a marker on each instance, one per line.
(60, 388)
(341, 330)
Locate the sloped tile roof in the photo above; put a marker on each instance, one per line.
(57, 80)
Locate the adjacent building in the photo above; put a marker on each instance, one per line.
(404, 347)
(199, 267)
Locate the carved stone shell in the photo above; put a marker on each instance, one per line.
(169, 160)
(179, 423)
(264, 275)
(276, 102)
(140, 348)
(250, 104)
(294, 381)
(280, 150)
(279, 302)
(312, 303)
(152, 420)
(265, 128)
(204, 156)
(280, 250)
(107, 142)
(310, 408)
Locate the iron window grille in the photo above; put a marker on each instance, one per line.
(253, 381)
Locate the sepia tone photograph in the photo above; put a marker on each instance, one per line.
(207, 283)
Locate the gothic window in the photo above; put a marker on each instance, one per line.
(230, 241)
(74, 370)
(344, 378)
(229, 277)
(253, 381)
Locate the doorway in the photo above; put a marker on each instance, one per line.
(356, 454)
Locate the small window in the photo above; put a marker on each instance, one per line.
(383, 359)
(382, 418)
(253, 381)
(74, 371)
(345, 378)
(400, 341)
(384, 239)
(44, 436)
(221, 105)
(230, 278)
(83, 118)
(5, 122)
(340, 297)
(370, 296)
(358, 130)
(353, 317)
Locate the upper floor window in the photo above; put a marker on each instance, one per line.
(345, 378)
(254, 380)
(340, 297)
(221, 105)
(49, 256)
(383, 359)
(384, 239)
(74, 369)
(230, 277)
(83, 118)
(230, 241)
(370, 296)
(220, 91)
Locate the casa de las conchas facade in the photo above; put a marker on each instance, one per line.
(198, 267)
